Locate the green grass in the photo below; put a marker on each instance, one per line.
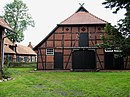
(66, 84)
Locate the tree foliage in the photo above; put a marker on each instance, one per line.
(115, 40)
(119, 35)
(17, 16)
(123, 24)
(117, 4)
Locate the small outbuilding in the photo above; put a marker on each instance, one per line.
(18, 53)
(25, 54)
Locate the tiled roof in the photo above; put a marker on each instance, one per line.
(24, 50)
(5, 25)
(7, 41)
(7, 50)
(82, 16)
(20, 49)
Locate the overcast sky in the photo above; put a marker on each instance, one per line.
(48, 13)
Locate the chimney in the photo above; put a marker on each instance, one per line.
(30, 45)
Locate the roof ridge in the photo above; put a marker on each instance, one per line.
(81, 9)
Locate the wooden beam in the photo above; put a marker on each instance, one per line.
(71, 36)
(63, 45)
(41, 58)
(45, 55)
(1, 51)
(77, 47)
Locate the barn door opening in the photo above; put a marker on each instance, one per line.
(112, 61)
(83, 40)
(58, 60)
(84, 59)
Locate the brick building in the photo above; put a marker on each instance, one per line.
(72, 45)
(18, 53)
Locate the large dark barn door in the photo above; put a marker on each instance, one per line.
(58, 60)
(113, 63)
(83, 59)
(83, 40)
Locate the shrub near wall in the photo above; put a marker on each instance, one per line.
(22, 65)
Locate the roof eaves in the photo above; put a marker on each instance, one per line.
(81, 24)
(7, 28)
(5, 25)
(26, 54)
(98, 18)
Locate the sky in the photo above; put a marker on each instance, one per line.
(48, 13)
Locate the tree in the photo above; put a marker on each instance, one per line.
(17, 16)
(121, 32)
(123, 24)
(119, 35)
(117, 4)
(115, 40)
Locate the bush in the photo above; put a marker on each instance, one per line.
(22, 65)
(6, 73)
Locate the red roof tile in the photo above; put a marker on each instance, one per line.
(24, 50)
(7, 50)
(7, 42)
(82, 16)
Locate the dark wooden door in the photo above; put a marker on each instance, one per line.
(83, 40)
(78, 60)
(108, 60)
(119, 63)
(112, 62)
(83, 59)
(58, 60)
(90, 59)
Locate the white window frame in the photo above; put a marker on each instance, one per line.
(49, 51)
(111, 50)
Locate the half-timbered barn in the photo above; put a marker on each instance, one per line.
(72, 45)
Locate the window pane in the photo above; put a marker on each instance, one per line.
(49, 51)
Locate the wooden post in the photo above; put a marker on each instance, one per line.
(1, 51)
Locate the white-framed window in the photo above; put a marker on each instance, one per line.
(49, 51)
(111, 50)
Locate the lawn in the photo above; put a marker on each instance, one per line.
(65, 84)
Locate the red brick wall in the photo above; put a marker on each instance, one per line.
(62, 37)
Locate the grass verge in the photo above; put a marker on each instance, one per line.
(65, 84)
